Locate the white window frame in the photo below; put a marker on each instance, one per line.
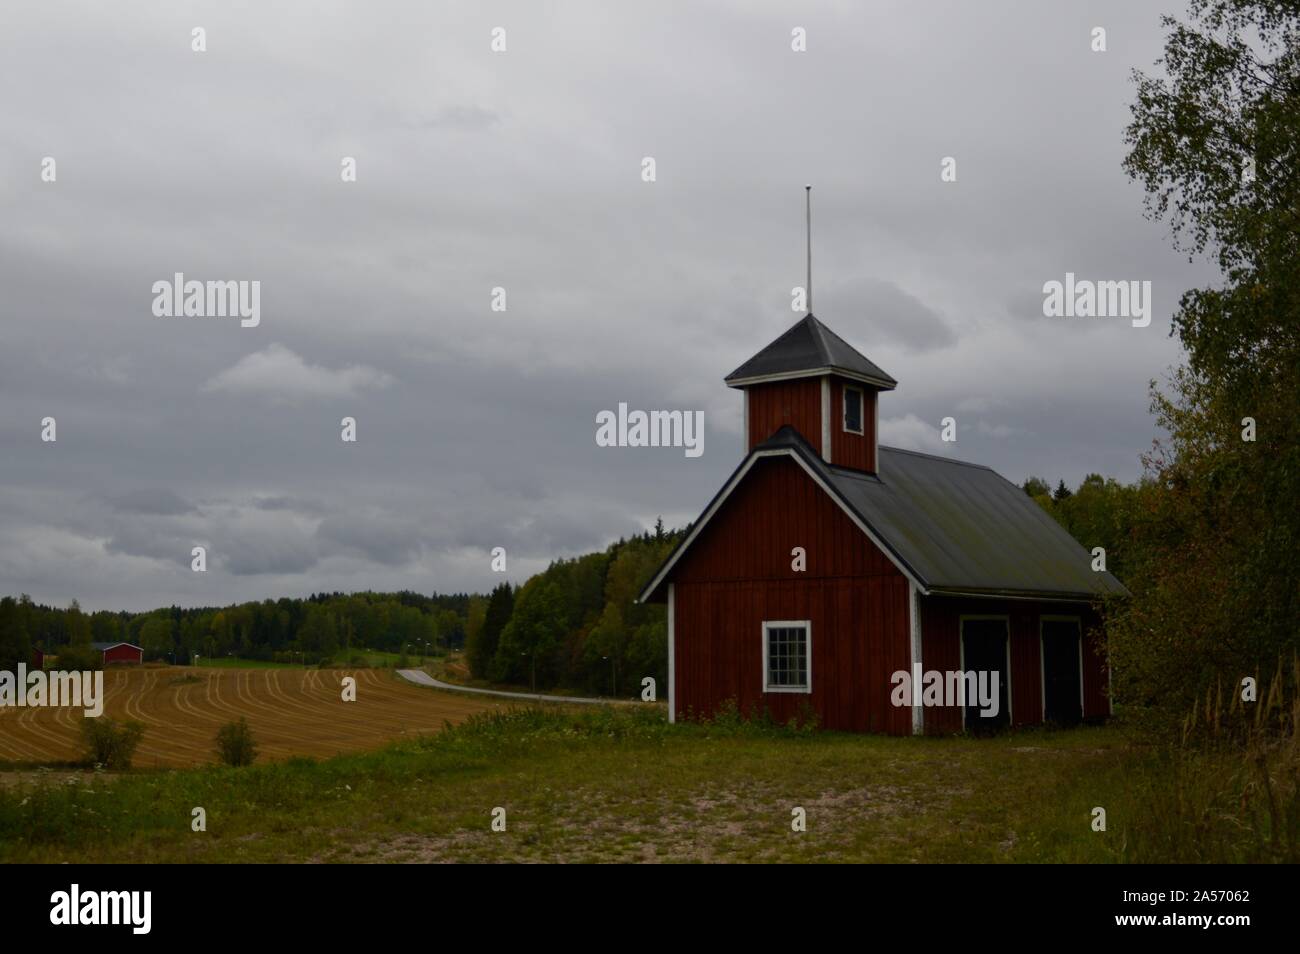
(1042, 658)
(786, 624)
(961, 653)
(862, 409)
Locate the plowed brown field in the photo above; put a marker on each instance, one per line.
(291, 711)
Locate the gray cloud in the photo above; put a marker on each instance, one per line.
(461, 119)
(880, 311)
(522, 170)
(385, 539)
(277, 373)
(150, 500)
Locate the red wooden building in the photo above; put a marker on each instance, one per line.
(827, 565)
(120, 653)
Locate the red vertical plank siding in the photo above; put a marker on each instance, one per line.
(123, 654)
(940, 649)
(848, 449)
(738, 574)
(777, 403)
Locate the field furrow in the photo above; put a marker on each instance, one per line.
(291, 712)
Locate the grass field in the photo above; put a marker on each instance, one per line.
(291, 711)
(238, 662)
(620, 784)
(373, 657)
(608, 786)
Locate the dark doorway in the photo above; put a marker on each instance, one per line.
(984, 650)
(1062, 679)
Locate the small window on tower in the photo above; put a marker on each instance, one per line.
(853, 410)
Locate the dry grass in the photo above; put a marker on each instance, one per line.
(291, 712)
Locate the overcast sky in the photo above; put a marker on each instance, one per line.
(523, 169)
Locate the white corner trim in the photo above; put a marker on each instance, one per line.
(914, 615)
(875, 433)
(826, 418)
(748, 446)
(672, 654)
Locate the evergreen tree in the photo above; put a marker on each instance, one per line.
(481, 651)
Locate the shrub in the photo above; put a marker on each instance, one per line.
(235, 743)
(109, 743)
(1229, 790)
(79, 658)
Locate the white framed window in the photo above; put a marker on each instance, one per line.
(853, 410)
(787, 655)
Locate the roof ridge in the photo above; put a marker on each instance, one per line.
(946, 460)
(818, 330)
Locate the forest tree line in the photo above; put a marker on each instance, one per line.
(312, 630)
(575, 625)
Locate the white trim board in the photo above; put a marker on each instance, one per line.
(879, 383)
(875, 432)
(1031, 598)
(746, 431)
(731, 485)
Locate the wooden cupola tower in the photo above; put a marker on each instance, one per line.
(814, 381)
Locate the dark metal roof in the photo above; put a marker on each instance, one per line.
(810, 348)
(103, 646)
(954, 527)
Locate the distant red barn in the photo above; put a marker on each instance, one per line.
(828, 565)
(38, 658)
(117, 653)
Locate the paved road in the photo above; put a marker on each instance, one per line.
(422, 678)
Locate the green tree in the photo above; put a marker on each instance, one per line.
(530, 640)
(15, 644)
(1101, 513)
(156, 636)
(1036, 487)
(483, 649)
(318, 636)
(1216, 144)
(475, 616)
(78, 625)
